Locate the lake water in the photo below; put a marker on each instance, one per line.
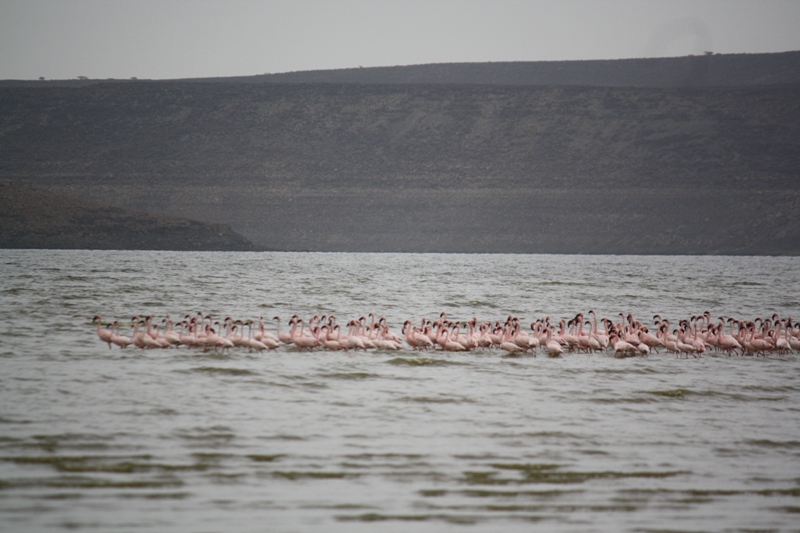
(181, 440)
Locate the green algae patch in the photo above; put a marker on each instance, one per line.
(380, 517)
(106, 465)
(673, 393)
(94, 483)
(421, 361)
(224, 371)
(264, 458)
(551, 473)
(500, 493)
(433, 493)
(294, 476)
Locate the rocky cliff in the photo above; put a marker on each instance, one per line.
(429, 166)
(33, 217)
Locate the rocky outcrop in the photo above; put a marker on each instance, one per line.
(33, 217)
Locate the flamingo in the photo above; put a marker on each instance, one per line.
(622, 348)
(415, 340)
(301, 339)
(484, 340)
(169, 332)
(285, 338)
(522, 339)
(326, 342)
(779, 339)
(120, 340)
(450, 345)
(554, 348)
(726, 343)
(648, 339)
(385, 342)
(684, 347)
(668, 343)
(215, 340)
(152, 332)
(255, 344)
(509, 343)
(794, 342)
(261, 333)
(354, 342)
(104, 334)
(602, 338)
(140, 339)
(390, 335)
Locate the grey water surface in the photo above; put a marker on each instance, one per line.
(99, 439)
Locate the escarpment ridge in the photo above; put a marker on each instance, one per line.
(427, 166)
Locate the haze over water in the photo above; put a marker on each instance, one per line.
(180, 440)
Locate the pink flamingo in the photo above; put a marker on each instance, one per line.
(554, 348)
(104, 334)
(726, 343)
(648, 339)
(508, 340)
(120, 340)
(285, 338)
(140, 339)
(622, 348)
(301, 339)
(450, 345)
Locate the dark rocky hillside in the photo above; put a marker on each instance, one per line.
(429, 167)
(32, 217)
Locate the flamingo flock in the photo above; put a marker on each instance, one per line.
(622, 337)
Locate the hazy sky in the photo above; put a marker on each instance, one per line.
(61, 39)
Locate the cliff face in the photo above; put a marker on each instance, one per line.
(428, 167)
(33, 217)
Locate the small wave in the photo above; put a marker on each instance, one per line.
(384, 456)
(264, 458)
(500, 493)
(767, 443)
(285, 437)
(161, 495)
(106, 464)
(552, 473)
(683, 393)
(77, 482)
(72, 277)
(294, 475)
(476, 303)
(672, 393)
(538, 435)
(628, 370)
(430, 399)
(458, 519)
(224, 371)
(421, 361)
(357, 376)
(771, 388)
(213, 433)
(626, 399)
(4, 420)
(16, 290)
(71, 441)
